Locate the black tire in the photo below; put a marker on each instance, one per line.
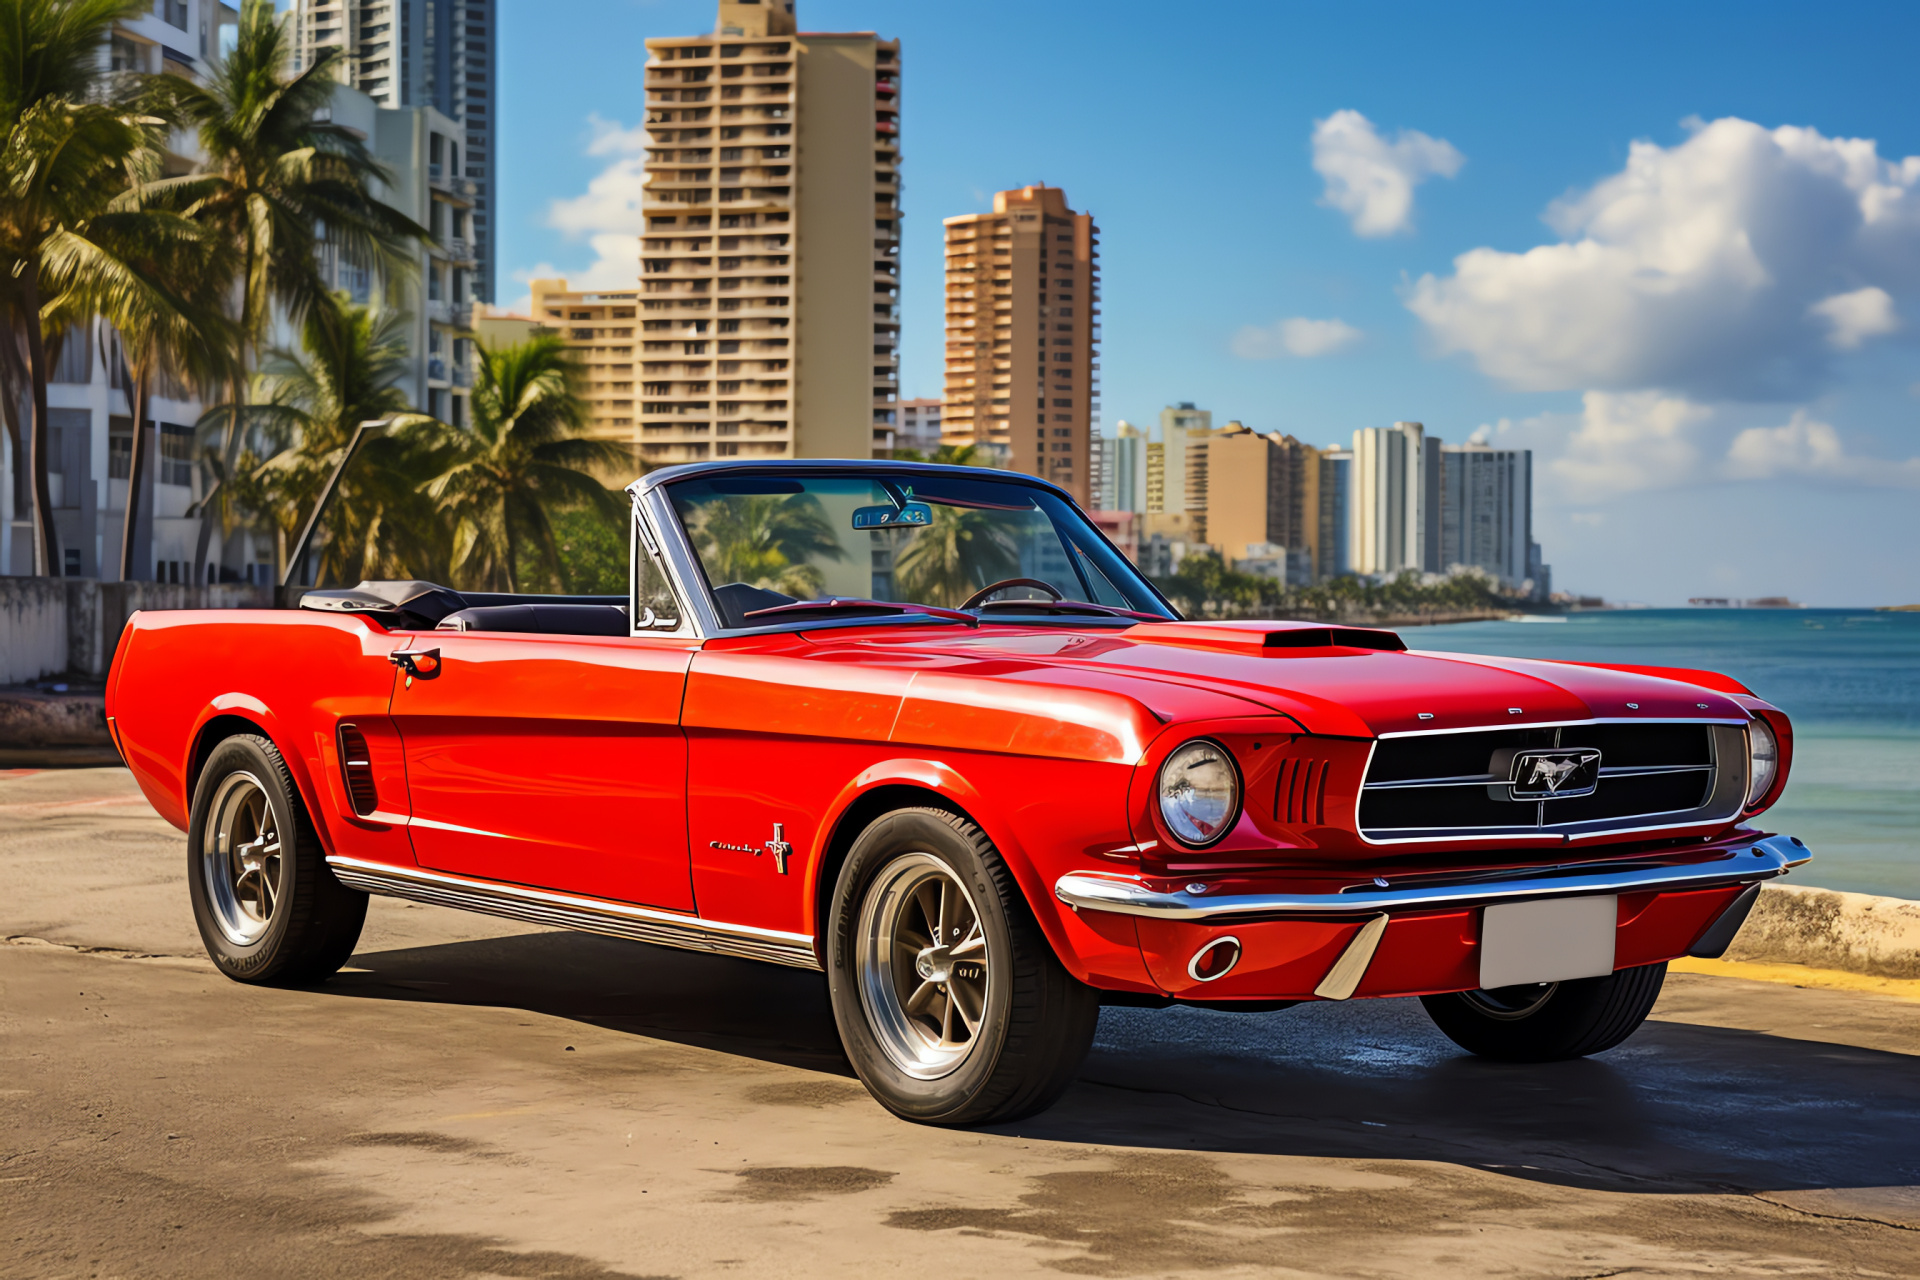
(1563, 1020)
(311, 921)
(1036, 1021)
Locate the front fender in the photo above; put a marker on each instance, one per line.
(1097, 948)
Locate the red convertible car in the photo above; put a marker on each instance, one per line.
(924, 729)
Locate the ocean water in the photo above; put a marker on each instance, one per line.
(1849, 679)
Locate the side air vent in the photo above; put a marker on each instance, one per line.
(1300, 796)
(356, 765)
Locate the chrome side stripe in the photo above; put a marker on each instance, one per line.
(587, 915)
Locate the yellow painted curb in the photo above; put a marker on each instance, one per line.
(1799, 975)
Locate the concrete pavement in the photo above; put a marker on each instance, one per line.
(473, 1098)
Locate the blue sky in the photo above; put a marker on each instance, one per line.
(1316, 218)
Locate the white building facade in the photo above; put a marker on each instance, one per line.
(90, 430)
(1394, 518)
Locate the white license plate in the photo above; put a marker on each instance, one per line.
(1552, 941)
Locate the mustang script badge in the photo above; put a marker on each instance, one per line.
(1555, 773)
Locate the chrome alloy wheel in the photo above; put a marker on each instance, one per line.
(924, 969)
(1511, 1004)
(241, 860)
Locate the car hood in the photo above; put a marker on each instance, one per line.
(1348, 691)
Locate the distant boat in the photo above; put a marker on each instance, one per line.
(1756, 602)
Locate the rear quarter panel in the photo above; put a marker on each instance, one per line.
(295, 676)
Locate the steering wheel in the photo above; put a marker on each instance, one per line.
(1004, 583)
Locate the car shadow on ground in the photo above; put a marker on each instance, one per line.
(1679, 1108)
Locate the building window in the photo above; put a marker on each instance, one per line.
(119, 448)
(176, 454)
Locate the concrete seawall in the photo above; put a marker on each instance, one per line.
(1827, 929)
(54, 626)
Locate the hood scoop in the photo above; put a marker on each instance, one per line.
(1270, 639)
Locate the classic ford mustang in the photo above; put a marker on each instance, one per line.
(925, 729)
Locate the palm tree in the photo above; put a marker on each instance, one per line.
(524, 452)
(155, 277)
(769, 541)
(66, 153)
(963, 550)
(346, 371)
(279, 182)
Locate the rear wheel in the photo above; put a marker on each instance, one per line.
(951, 1005)
(268, 906)
(1551, 1021)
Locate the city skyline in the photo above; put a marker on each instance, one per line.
(1656, 434)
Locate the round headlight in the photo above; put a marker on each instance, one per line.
(1199, 792)
(1763, 759)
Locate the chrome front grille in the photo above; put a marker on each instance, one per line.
(1651, 775)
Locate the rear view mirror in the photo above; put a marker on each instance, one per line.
(910, 515)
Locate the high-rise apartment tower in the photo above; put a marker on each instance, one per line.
(1486, 510)
(1023, 288)
(597, 326)
(1336, 503)
(1263, 491)
(1127, 466)
(769, 270)
(1395, 516)
(422, 53)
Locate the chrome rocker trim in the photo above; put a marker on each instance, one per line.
(585, 915)
(1762, 860)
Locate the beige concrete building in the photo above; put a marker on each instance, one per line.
(496, 327)
(769, 270)
(1179, 424)
(1263, 493)
(599, 328)
(1022, 301)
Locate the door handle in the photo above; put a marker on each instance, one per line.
(424, 663)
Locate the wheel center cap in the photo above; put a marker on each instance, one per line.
(932, 964)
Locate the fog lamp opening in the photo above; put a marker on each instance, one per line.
(1215, 960)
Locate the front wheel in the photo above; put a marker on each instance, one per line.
(951, 1005)
(1552, 1021)
(268, 906)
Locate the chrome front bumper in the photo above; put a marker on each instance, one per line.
(1744, 864)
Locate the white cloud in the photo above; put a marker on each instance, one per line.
(1298, 336)
(1370, 179)
(1854, 317)
(1729, 266)
(1629, 440)
(607, 216)
(1805, 447)
(611, 138)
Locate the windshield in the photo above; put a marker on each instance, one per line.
(769, 543)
